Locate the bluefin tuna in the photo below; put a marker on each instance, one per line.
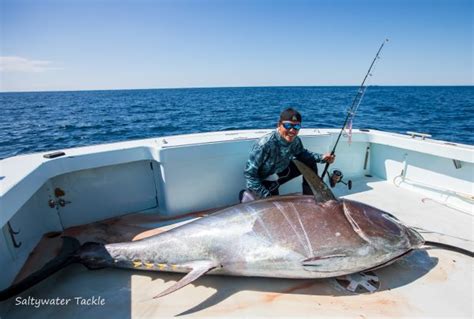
(282, 237)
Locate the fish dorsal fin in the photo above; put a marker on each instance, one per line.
(321, 191)
(198, 268)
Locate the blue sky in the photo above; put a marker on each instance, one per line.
(106, 44)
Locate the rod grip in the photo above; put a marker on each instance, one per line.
(326, 167)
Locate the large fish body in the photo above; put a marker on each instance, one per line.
(286, 237)
(282, 237)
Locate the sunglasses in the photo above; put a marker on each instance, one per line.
(289, 126)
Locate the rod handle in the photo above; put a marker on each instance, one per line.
(326, 167)
(325, 171)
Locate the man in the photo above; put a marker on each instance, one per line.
(270, 162)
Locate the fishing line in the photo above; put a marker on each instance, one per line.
(427, 231)
(461, 195)
(423, 200)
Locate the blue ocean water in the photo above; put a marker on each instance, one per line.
(40, 121)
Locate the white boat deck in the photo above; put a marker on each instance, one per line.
(427, 283)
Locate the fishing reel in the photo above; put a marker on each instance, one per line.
(336, 177)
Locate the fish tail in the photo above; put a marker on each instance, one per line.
(66, 256)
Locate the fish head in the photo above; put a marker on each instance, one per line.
(382, 240)
(381, 228)
(94, 256)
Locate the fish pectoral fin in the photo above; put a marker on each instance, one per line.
(198, 268)
(324, 263)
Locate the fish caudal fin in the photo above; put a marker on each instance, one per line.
(65, 257)
(198, 268)
(321, 191)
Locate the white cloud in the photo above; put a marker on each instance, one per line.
(19, 64)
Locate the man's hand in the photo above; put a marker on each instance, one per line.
(328, 158)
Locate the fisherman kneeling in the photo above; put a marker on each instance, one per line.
(270, 162)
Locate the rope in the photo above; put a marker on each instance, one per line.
(450, 247)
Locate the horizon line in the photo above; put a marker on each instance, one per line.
(236, 87)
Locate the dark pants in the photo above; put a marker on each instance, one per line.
(288, 174)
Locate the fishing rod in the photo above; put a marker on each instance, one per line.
(355, 104)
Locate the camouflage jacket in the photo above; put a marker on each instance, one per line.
(272, 154)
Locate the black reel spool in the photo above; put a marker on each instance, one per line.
(336, 177)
